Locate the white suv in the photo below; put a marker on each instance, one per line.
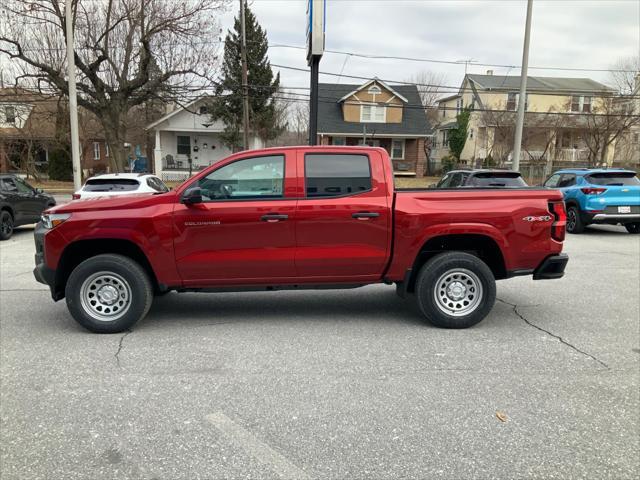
(120, 184)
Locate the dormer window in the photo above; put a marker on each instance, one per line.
(373, 113)
(374, 90)
(10, 114)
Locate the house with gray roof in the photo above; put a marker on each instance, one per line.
(376, 114)
(558, 115)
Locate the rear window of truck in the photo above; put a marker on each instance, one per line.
(493, 179)
(613, 178)
(333, 175)
(111, 184)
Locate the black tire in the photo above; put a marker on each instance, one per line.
(119, 288)
(574, 222)
(441, 270)
(632, 227)
(6, 225)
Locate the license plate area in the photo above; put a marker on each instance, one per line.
(624, 209)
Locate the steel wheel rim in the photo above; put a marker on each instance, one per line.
(571, 219)
(458, 292)
(105, 296)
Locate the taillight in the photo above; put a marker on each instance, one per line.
(559, 220)
(593, 190)
(75, 196)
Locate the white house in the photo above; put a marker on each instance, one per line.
(188, 134)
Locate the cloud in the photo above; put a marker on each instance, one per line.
(575, 34)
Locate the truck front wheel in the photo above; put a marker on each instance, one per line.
(108, 293)
(455, 290)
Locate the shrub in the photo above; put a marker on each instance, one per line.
(448, 163)
(60, 166)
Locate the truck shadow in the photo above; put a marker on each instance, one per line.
(602, 230)
(375, 304)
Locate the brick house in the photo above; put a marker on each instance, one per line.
(32, 125)
(378, 115)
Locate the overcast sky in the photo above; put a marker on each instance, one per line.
(565, 33)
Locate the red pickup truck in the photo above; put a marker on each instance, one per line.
(294, 218)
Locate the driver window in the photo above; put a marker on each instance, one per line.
(444, 183)
(8, 185)
(553, 181)
(23, 187)
(250, 178)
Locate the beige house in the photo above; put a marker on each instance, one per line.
(564, 121)
(379, 115)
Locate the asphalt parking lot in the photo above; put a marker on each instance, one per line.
(329, 384)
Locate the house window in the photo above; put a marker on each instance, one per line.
(458, 105)
(445, 138)
(471, 134)
(443, 109)
(636, 138)
(106, 150)
(374, 90)
(96, 150)
(10, 114)
(511, 101)
(204, 110)
(338, 141)
(580, 104)
(183, 145)
(397, 148)
(373, 113)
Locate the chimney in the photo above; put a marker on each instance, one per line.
(489, 72)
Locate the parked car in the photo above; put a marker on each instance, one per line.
(481, 178)
(20, 204)
(120, 184)
(298, 217)
(600, 196)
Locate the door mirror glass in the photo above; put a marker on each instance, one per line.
(38, 190)
(192, 196)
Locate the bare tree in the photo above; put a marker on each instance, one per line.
(612, 118)
(624, 74)
(127, 52)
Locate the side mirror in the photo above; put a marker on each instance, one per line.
(38, 190)
(192, 196)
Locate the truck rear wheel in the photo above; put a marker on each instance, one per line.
(632, 227)
(108, 293)
(455, 290)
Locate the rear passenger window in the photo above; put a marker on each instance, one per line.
(111, 184)
(333, 175)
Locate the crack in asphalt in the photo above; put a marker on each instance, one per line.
(558, 337)
(117, 355)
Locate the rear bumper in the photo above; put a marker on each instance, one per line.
(617, 217)
(551, 267)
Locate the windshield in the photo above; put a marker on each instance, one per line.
(614, 178)
(111, 184)
(497, 179)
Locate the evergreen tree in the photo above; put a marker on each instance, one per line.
(458, 135)
(263, 118)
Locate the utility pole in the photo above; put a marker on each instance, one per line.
(522, 99)
(245, 81)
(316, 13)
(73, 98)
(313, 101)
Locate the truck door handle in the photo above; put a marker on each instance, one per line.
(364, 215)
(273, 217)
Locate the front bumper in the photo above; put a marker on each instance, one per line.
(42, 273)
(551, 267)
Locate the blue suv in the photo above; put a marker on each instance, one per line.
(610, 196)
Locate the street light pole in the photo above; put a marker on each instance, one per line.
(522, 99)
(245, 81)
(73, 98)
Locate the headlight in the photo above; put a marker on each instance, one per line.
(52, 220)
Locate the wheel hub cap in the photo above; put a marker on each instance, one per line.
(458, 292)
(105, 296)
